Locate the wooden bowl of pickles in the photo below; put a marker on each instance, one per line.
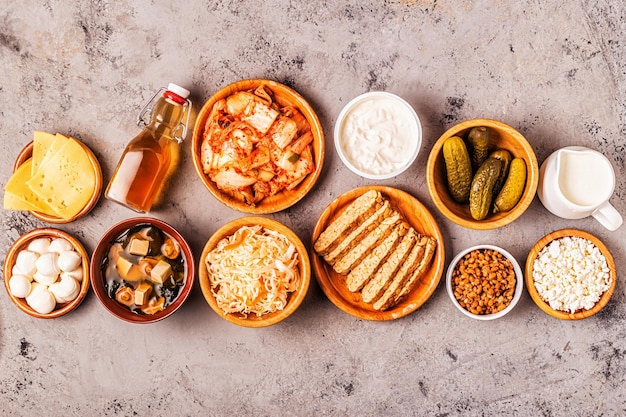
(142, 270)
(482, 174)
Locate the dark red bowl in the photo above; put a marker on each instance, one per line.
(98, 280)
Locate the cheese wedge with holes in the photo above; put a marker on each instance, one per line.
(44, 142)
(65, 180)
(18, 196)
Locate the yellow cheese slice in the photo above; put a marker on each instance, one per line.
(13, 202)
(41, 144)
(55, 146)
(16, 189)
(66, 180)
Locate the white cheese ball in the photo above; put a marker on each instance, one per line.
(26, 262)
(65, 290)
(60, 245)
(40, 245)
(47, 264)
(16, 271)
(19, 285)
(77, 273)
(69, 261)
(40, 299)
(44, 279)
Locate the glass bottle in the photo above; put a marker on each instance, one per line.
(152, 155)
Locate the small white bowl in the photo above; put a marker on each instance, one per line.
(519, 282)
(392, 127)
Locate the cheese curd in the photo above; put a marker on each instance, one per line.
(571, 274)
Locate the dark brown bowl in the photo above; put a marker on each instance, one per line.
(98, 280)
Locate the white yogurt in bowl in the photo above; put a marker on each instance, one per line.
(378, 135)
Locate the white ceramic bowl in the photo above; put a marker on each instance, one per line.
(383, 118)
(519, 282)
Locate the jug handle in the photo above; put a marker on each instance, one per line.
(608, 216)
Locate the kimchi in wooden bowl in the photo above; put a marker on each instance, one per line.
(258, 146)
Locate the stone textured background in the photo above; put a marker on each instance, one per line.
(554, 70)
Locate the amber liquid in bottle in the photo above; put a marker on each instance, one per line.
(147, 160)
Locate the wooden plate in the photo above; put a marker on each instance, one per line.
(333, 284)
(285, 198)
(506, 138)
(20, 244)
(530, 285)
(27, 153)
(294, 299)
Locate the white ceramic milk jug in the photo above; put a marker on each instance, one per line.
(576, 182)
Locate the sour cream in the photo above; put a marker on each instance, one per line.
(378, 135)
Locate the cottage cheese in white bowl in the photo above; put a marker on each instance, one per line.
(378, 135)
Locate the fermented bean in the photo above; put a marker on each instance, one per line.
(483, 281)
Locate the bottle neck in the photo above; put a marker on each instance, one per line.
(167, 114)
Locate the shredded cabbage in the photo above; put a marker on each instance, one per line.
(253, 271)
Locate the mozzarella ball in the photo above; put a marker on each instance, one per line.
(60, 245)
(44, 279)
(16, 271)
(19, 285)
(40, 299)
(69, 260)
(65, 290)
(77, 274)
(47, 264)
(40, 245)
(26, 262)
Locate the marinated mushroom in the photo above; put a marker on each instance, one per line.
(125, 295)
(170, 248)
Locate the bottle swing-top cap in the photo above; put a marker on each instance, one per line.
(176, 93)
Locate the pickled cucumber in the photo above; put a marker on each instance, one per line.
(479, 139)
(505, 157)
(513, 188)
(458, 168)
(481, 193)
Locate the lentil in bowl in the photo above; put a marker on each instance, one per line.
(484, 282)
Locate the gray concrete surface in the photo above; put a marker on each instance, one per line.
(554, 70)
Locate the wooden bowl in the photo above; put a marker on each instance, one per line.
(286, 198)
(27, 153)
(22, 243)
(507, 138)
(333, 284)
(98, 279)
(530, 285)
(519, 283)
(294, 299)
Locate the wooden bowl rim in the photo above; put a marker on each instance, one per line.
(532, 177)
(21, 244)
(289, 198)
(295, 298)
(530, 285)
(27, 153)
(412, 302)
(97, 282)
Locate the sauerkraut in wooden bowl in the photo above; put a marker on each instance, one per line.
(254, 271)
(258, 146)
